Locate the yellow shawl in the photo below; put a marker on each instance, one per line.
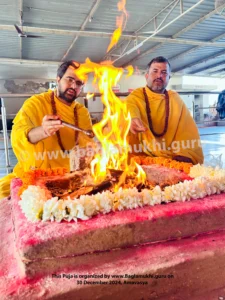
(46, 153)
(181, 138)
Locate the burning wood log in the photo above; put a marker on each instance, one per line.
(89, 190)
(115, 174)
(76, 194)
(105, 185)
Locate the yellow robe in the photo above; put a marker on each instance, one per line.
(46, 153)
(181, 138)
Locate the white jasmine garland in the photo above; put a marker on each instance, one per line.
(49, 205)
(80, 212)
(75, 210)
(59, 211)
(146, 197)
(34, 204)
(129, 198)
(90, 205)
(105, 201)
(156, 195)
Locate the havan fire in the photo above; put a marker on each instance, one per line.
(110, 168)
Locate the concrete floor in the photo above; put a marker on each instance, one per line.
(212, 138)
(213, 144)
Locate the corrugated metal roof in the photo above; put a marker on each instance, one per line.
(83, 49)
(9, 11)
(55, 13)
(52, 47)
(206, 30)
(39, 16)
(184, 21)
(168, 51)
(195, 57)
(9, 44)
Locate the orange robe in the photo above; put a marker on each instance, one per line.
(182, 137)
(46, 153)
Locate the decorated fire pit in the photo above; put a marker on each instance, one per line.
(56, 195)
(105, 176)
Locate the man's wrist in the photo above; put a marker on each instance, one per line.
(45, 132)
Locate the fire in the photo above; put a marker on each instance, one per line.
(89, 96)
(112, 130)
(122, 19)
(141, 176)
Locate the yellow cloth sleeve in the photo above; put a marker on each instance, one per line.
(5, 185)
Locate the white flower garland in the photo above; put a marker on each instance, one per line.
(35, 205)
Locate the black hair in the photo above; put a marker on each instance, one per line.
(158, 59)
(64, 66)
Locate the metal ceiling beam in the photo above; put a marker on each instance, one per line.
(119, 48)
(217, 71)
(138, 56)
(185, 53)
(20, 4)
(27, 62)
(87, 19)
(161, 29)
(155, 16)
(207, 68)
(218, 37)
(205, 17)
(108, 35)
(192, 25)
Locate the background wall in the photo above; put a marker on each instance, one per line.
(126, 84)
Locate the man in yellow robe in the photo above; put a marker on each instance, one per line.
(161, 124)
(39, 140)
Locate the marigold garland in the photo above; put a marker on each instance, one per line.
(162, 161)
(30, 176)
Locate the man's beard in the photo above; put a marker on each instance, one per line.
(67, 97)
(157, 87)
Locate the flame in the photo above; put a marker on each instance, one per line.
(122, 19)
(141, 175)
(89, 96)
(112, 130)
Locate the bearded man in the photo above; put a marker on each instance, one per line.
(39, 139)
(161, 124)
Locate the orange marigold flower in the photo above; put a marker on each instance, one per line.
(136, 159)
(166, 162)
(30, 176)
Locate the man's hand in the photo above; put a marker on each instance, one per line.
(137, 126)
(51, 124)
